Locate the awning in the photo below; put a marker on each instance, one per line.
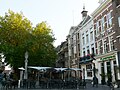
(21, 68)
(39, 68)
(65, 69)
(60, 69)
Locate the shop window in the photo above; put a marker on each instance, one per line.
(89, 70)
(89, 66)
(89, 73)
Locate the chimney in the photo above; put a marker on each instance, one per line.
(84, 13)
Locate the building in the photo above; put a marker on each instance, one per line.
(87, 46)
(107, 31)
(72, 48)
(81, 46)
(96, 41)
(62, 51)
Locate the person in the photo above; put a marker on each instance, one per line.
(95, 81)
(4, 79)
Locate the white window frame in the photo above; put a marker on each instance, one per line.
(97, 27)
(109, 20)
(102, 24)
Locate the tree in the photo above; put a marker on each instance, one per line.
(18, 36)
(42, 47)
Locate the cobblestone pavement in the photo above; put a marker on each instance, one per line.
(88, 87)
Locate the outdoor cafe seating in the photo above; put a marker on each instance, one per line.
(56, 78)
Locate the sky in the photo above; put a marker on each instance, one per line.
(60, 15)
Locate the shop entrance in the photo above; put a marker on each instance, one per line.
(109, 73)
(102, 74)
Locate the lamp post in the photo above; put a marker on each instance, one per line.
(26, 63)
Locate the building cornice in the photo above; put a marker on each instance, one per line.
(104, 55)
(100, 8)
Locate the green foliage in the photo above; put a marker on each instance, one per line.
(18, 36)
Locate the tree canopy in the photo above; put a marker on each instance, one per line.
(17, 35)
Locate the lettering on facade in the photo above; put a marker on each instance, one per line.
(108, 58)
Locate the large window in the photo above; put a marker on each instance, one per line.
(97, 28)
(91, 36)
(93, 50)
(78, 35)
(99, 47)
(83, 39)
(87, 38)
(109, 20)
(89, 70)
(112, 43)
(83, 53)
(102, 24)
(105, 46)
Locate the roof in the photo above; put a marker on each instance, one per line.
(84, 21)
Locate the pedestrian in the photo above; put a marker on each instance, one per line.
(4, 79)
(95, 81)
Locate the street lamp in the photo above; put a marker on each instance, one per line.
(26, 63)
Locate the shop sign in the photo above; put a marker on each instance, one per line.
(108, 58)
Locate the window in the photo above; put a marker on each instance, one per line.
(99, 47)
(78, 35)
(119, 39)
(91, 36)
(89, 70)
(119, 21)
(83, 40)
(83, 53)
(97, 28)
(89, 73)
(102, 24)
(89, 66)
(88, 51)
(93, 50)
(102, 68)
(87, 38)
(105, 46)
(112, 43)
(78, 49)
(109, 20)
(117, 2)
